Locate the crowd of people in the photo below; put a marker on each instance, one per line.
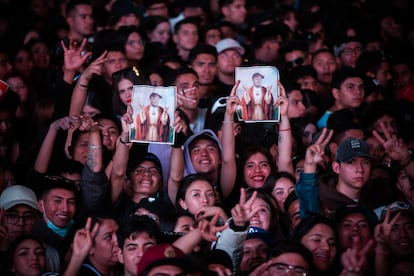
(327, 190)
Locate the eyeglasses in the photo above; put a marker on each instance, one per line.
(297, 61)
(27, 218)
(142, 170)
(283, 269)
(350, 51)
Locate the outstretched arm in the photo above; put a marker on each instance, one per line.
(120, 158)
(285, 144)
(81, 88)
(228, 167)
(43, 157)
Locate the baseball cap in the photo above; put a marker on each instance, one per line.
(153, 94)
(228, 43)
(352, 148)
(346, 210)
(341, 45)
(146, 157)
(163, 254)
(257, 75)
(204, 134)
(395, 207)
(18, 194)
(261, 234)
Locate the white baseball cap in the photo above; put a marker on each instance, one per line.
(18, 194)
(228, 43)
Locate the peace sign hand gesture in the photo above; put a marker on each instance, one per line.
(316, 151)
(243, 211)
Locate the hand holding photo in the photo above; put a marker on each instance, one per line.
(258, 91)
(153, 109)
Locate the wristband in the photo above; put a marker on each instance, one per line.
(228, 122)
(286, 129)
(123, 142)
(83, 85)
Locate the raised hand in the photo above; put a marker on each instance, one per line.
(232, 102)
(182, 98)
(395, 147)
(179, 124)
(243, 211)
(83, 240)
(282, 101)
(316, 151)
(383, 230)
(66, 123)
(73, 57)
(354, 260)
(88, 124)
(209, 229)
(209, 211)
(95, 68)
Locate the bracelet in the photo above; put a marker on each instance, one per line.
(94, 147)
(83, 85)
(123, 142)
(228, 122)
(286, 129)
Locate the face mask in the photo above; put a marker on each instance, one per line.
(61, 232)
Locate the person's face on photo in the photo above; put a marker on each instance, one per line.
(24, 224)
(161, 33)
(263, 217)
(184, 83)
(59, 206)
(350, 93)
(133, 249)
(254, 254)
(205, 156)
(321, 241)
(186, 37)
(115, 61)
(351, 227)
(134, 47)
(256, 170)
(324, 64)
(402, 236)
(155, 101)
(199, 194)
(146, 179)
(105, 250)
(29, 258)
(81, 20)
(283, 187)
(257, 81)
(205, 66)
(109, 133)
(125, 88)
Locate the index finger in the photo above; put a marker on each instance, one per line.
(234, 89)
(394, 219)
(62, 43)
(242, 196)
(379, 138)
(88, 223)
(101, 58)
(281, 89)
